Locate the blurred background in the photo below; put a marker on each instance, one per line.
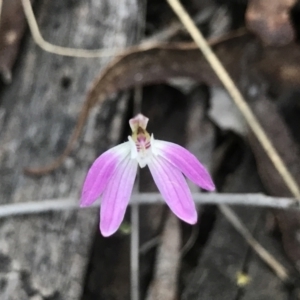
(47, 86)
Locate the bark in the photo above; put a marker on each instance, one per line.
(45, 256)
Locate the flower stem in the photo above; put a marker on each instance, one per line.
(135, 224)
(134, 252)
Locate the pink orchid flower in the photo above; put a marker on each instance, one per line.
(113, 173)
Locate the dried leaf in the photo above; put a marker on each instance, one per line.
(224, 112)
(270, 20)
(12, 27)
(150, 64)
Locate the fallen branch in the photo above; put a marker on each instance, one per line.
(43, 206)
(164, 283)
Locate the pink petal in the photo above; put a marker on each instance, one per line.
(174, 189)
(116, 196)
(101, 171)
(186, 162)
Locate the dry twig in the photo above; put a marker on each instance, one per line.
(47, 205)
(1, 5)
(64, 51)
(272, 262)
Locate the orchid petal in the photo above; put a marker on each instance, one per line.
(174, 189)
(116, 196)
(186, 162)
(101, 171)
